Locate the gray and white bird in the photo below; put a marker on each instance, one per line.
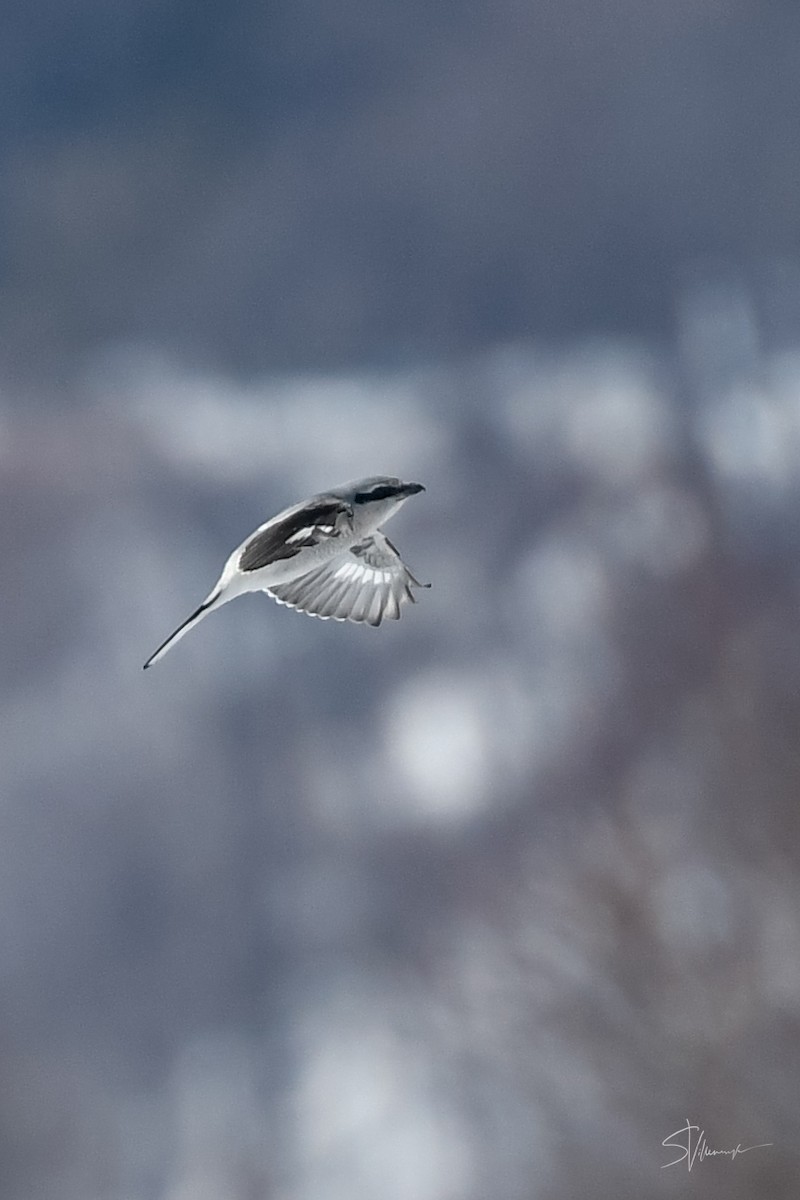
(326, 556)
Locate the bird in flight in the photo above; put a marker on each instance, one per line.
(326, 557)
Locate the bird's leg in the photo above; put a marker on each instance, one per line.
(344, 519)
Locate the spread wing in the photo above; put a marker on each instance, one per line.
(287, 534)
(365, 583)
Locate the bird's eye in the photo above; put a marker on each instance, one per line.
(381, 492)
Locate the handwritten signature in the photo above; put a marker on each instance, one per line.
(695, 1147)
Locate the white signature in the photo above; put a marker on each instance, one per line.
(694, 1147)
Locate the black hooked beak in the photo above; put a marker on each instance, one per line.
(411, 489)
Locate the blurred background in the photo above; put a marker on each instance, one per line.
(487, 903)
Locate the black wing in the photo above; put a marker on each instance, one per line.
(286, 536)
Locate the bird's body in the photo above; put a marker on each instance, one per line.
(325, 556)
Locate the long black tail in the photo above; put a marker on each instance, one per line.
(182, 629)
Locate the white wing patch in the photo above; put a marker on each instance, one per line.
(366, 583)
(309, 533)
